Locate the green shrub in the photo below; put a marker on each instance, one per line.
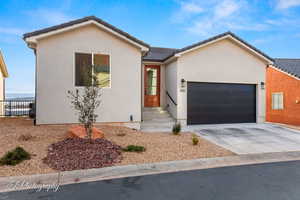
(195, 139)
(134, 148)
(176, 128)
(14, 157)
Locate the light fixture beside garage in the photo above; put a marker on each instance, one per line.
(262, 85)
(182, 82)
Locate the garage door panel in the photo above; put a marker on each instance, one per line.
(210, 103)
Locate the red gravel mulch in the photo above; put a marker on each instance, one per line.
(78, 153)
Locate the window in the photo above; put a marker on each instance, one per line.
(84, 62)
(277, 101)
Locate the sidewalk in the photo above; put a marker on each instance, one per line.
(77, 176)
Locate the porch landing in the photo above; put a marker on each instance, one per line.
(156, 119)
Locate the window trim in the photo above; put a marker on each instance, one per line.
(272, 104)
(91, 52)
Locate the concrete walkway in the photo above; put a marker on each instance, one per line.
(108, 173)
(250, 138)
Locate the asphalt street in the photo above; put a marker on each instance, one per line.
(274, 181)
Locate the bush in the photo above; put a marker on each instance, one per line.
(134, 148)
(176, 129)
(14, 157)
(195, 139)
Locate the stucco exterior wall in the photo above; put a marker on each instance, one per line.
(56, 75)
(222, 62)
(290, 87)
(172, 87)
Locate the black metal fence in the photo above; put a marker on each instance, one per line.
(16, 107)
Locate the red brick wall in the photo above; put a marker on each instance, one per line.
(280, 82)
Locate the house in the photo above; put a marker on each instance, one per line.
(283, 91)
(219, 80)
(3, 75)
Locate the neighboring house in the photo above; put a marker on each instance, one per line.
(283, 91)
(3, 75)
(219, 80)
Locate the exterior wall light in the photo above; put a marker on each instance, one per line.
(262, 85)
(182, 82)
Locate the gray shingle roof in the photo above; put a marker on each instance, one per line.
(158, 54)
(167, 53)
(78, 21)
(291, 66)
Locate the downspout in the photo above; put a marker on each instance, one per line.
(35, 88)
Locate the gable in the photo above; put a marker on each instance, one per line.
(226, 50)
(33, 37)
(222, 61)
(227, 35)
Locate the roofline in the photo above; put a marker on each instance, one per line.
(3, 67)
(32, 37)
(218, 38)
(286, 58)
(285, 72)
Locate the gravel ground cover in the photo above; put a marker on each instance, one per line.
(159, 146)
(85, 154)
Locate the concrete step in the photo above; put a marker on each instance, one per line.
(153, 108)
(167, 119)
(156, 116)
(156, 120)
(157, 123)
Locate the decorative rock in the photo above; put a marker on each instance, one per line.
(79, 132)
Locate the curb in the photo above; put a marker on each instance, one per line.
(80, 176)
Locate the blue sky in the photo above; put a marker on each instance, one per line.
(273, 26)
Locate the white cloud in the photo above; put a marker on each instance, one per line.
(187, 10)
(285, 4)
(226, 8)
(50, 17)
(191, 7)
(11, 31)
(224, 15)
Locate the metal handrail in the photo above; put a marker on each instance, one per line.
(171, 98)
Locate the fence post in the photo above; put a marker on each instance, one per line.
(10, 114)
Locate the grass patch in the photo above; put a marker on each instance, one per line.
(15, 157)
(134, 148)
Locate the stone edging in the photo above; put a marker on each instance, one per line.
(77, 176)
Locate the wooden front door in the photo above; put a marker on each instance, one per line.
(152, 86)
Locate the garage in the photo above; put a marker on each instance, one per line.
(220, 103)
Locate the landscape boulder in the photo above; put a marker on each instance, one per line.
(79, 132)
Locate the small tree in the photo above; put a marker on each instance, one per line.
(87, 101)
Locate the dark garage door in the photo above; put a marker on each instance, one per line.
(218, 103)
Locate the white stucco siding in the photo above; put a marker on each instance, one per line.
(172, 87)
(56, 75)
(221, 62)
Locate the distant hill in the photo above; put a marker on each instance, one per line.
(19, 96)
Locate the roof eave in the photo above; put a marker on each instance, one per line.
(3, 67)
(226, 35)
(32, 38)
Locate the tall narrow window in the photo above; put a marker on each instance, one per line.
(102, 69)
(84, 62)
(277, 101)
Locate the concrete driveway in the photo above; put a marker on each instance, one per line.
(250, 138)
